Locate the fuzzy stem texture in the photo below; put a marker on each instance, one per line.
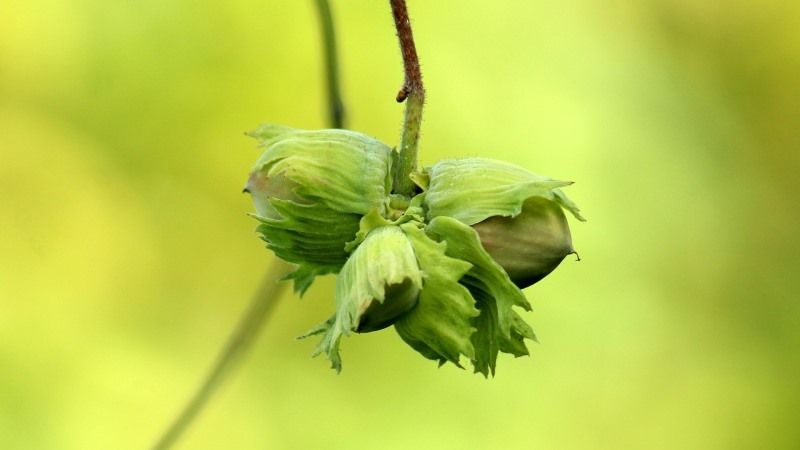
(413, 93)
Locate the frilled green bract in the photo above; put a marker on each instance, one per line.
(380, 282)
(473, 189)
(517, 214)
(445, 267)
(441, 326)
(498, 327)
(310, 190)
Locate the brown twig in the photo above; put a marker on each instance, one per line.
(413, 93)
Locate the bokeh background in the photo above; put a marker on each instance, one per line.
(126, 255)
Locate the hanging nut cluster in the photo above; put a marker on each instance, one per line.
(444, 267)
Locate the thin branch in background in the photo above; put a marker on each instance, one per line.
(413, 93)
(336, 112)
(243, 336)
(266, 297)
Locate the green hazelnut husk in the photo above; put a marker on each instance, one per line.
(518, 214)
(378, 285)
(310, 190)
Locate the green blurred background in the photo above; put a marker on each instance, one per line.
(126, 255)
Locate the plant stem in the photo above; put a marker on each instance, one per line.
(413, 93)
(268, 293)
(257, 313)
(336, 111)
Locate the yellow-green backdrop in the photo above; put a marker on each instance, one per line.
(126, 255)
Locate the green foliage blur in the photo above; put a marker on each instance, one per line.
(126, 255)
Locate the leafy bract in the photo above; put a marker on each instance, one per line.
(440, 326)
(498, 327)
(311, 189)
(346, 171)
(379, 283)
(311, 235)
(473, 189)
